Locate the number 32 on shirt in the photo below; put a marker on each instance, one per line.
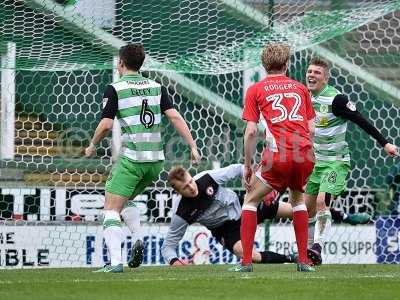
(277, 104)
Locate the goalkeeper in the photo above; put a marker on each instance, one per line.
(222, 218)
(138, 103)
(205, 201)
(328, 179)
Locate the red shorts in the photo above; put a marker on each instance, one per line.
(286, 171)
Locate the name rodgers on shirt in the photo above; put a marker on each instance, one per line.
(286, 86)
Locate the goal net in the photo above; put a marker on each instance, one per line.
(58, 56)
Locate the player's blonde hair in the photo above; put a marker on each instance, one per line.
(177, 173)
(275, 56)
(320, 62)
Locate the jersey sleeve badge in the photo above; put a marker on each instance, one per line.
(105, 100)
(350, 105)
(210, 191)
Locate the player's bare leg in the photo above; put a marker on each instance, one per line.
(311, 203)
(284, 210)
(113, 234)
(300, 224)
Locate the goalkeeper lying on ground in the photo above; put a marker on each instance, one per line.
(205, 201)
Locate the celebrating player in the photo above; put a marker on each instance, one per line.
(332, 165)
(287, 160)
(205, 201)
(138, 103)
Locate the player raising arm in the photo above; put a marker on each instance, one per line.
(205, 201)
(138, 103)
(287, 160)
(332, 166)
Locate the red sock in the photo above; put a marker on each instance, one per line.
(300, 224)
(248, 228)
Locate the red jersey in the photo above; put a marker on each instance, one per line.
(286, 107)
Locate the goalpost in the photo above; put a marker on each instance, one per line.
(7, 95)
(58, 59)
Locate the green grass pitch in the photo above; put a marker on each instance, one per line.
(345, 282)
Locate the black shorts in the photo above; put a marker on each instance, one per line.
(267, 212)
(228, 234)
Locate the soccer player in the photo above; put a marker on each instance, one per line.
(287, 160)
(204, 200)
(328, 179)
(221, 213)
(138, 103)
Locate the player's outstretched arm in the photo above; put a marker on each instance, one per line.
(102, 130)
(342, 107)
(223, 175)
(180, 125)
(175, 233)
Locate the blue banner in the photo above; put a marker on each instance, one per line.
(388, 240)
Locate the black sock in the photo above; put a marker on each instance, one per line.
(337, 215)
(268, 257)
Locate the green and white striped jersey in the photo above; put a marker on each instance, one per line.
(330, 131)
(139, 114)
